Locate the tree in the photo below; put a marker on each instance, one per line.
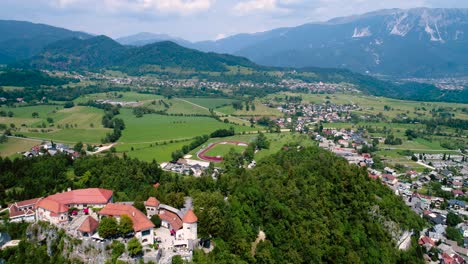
(140, 206)
(108, 227)
(177, 259)
(118, 248)
(78, 147)
(453, 219)
(125, 225)
(262, 141)
(156, 220)
(134, 247)
(454, 234)
(35, 114)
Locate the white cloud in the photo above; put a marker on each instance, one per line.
(250, 6)
(181, 7)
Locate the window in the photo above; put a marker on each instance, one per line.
(145, 232)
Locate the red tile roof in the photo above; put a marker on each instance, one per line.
(22, 208)
(31, 202)
(172, 218)
(426, 240)
(190, 217)
(89, 225)
(152, 202)
(140, 221)
(57, 203)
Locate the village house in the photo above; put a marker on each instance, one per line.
(54, 208)
(23, 211)
(142, 226)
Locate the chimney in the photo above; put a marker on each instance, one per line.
(68, 189)
(133, 213)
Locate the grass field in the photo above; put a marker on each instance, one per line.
(210, 102)
(277, 141)
(79, 123)
(148, 152)
(180, 106)
(118, 96)
(222, 149)
(260, 110)
(156, 128)
(15, 145)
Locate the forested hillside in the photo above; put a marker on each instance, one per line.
(20, 40)
(313, 206)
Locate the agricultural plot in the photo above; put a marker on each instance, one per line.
(52, 122)
(260, 110)
(149, 152)
(210, 102)
(16, 145)
(118, 96)
(157, 128)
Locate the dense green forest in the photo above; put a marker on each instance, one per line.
(30, 78)
(313, 206)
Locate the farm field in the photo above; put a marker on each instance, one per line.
(118, 96)
(149, 152)
(210, 102)
(69, 125)
(157, 128)
(260, 110)
(16, 145)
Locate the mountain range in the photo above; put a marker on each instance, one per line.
(144, 38)
(103, 52)
(170, 60)
(418, 42)
(20, 40)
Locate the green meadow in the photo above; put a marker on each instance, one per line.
(157, 128)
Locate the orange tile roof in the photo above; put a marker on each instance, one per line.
(15, 210)
(140, 221)
(89, 225)
(28, 202)
(57, 203)
(190, 217)
(172, 218)
(152, 202)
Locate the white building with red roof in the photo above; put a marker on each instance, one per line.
(142, 226)
(54, 208)
(23, 211)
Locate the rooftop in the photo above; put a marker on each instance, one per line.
(140, 221)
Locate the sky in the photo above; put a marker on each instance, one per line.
(194, 20)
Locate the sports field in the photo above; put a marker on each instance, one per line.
(215, 152)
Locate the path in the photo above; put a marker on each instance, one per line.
(261, 237)
(425, 165)
(101, 149)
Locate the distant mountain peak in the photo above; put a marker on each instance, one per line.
(144, 38)
(398, 42)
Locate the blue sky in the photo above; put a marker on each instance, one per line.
(194, 19)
